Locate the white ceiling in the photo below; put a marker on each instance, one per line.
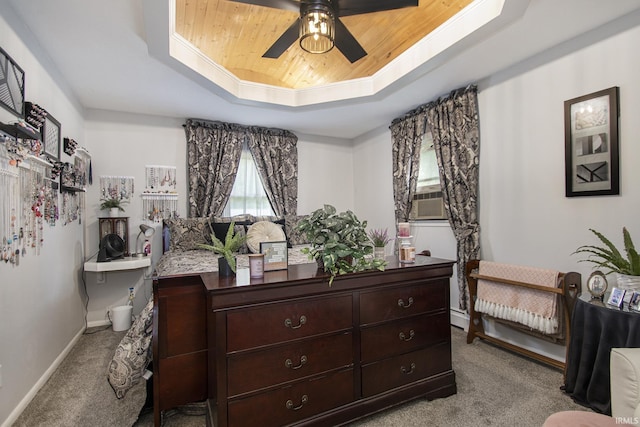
(112, 57)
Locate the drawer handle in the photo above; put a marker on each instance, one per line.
(408, 372)
(289, 324)
(289, 403)
(289, 364)
(403, 337)
(408, 304)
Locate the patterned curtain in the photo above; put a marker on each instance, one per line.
(213, 156)
(455, 127)
(406, 133)
(275, 155)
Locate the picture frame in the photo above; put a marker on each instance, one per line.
(275, 255)
(616, 298)
(12, 85)
(597, 284)
(591, 144)
(51, 137)
(634, 301)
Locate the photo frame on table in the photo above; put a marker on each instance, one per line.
(275, 255)
(597, 284)
(591, 144)
(51, 137)
(11, 85)
(634, 301)
(616, 298)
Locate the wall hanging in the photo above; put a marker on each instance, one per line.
(591, 144)
(11, 84)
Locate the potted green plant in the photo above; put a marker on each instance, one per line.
(228, 249)
(113, 205)
(379, 237)
(338, 241)
(627, 265)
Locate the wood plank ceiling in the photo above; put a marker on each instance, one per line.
(235, 36)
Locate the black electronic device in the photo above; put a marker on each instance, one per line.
(111, 247)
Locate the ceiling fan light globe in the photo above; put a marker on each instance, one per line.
(317, 28)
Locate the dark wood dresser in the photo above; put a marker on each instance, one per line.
(289, 349)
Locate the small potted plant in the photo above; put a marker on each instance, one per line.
(228, 249)
(113, 205)
(339, 242)
(627, 266)
(379, 237)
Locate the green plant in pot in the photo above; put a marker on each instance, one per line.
(338, 241)
(112, 203)
(228, 249)
(380, 238)
(626, 265)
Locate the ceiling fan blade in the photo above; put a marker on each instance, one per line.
(286, 39)
(357, 7)
(292, 5)
(347, 44)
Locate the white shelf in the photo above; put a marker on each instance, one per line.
(127, 263)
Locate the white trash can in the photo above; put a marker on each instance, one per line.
(121, 317)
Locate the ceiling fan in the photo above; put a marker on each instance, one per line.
(344, 40)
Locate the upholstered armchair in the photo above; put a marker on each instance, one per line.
(624, 368)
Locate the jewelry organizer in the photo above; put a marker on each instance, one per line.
(160, 196)
(28, 198)
(116, 187)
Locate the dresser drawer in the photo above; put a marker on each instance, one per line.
(403, 336)
(258, 369)
(387, 304)
(407, 368)
(293, 403)
(275, 323)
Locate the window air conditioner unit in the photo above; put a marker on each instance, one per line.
(428, 205)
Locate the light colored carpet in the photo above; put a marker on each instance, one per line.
(78, 393)
(495, 388)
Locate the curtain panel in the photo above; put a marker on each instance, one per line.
(213, 156)
(275, 154)
(407, 133)
(455, 126)
(214, 150)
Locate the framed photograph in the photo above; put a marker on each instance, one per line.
(597, 284)
(616, 298)
(634, 302)
(591, 144)
(275, 255)
(11, 84)
(51, 137)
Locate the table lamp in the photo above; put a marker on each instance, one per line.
(148, 232)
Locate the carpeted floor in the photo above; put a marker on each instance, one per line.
(495, 388)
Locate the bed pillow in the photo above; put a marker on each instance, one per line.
(133, 354)
(264, 231)
(185, 234)
(220, 227)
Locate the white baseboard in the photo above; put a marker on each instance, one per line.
(459, 318)
(13, 416)
(95, 323)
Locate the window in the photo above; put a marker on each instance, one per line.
(428, 176)
(248, 196)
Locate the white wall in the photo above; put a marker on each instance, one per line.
(123, 144)
(525, 217)
(41, 300)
